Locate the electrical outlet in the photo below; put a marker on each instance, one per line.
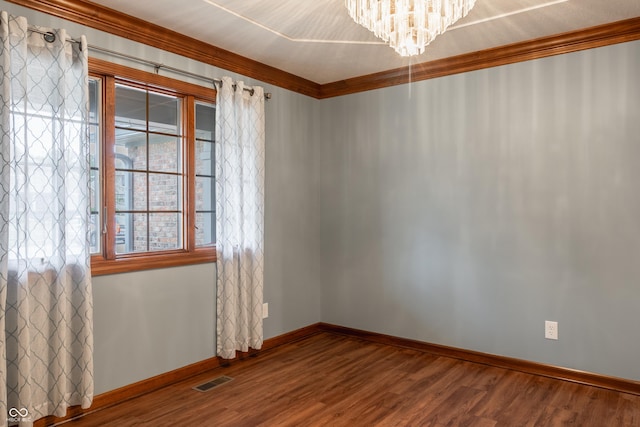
(265, 310)
(550, 330)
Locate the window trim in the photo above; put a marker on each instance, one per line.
(107, 262)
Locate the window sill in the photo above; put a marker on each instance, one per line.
(101, 266)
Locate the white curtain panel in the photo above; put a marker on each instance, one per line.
(46, 314)
(240, 145)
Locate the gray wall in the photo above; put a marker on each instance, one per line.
(151, 322)
(467, 210)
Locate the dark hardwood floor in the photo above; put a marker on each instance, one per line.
(335, 380)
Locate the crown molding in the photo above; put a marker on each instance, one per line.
(117, 23)
(120, 24)
(588, 38)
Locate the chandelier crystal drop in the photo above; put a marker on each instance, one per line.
(408, 25)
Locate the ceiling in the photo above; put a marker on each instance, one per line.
(318, 41)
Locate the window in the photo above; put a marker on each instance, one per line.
(148, 171)
(152, 170)
(39, 134)
(95, 131)
(205, 168)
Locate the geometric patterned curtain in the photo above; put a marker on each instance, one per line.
(240, 155)
(46, 309)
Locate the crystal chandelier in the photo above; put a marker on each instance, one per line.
(408, 25)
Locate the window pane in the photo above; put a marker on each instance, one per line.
(42, 232)
(95, 154)
(165, 230)
(205, 121)
(39, 139)
(131, 191)
(131, 107)
(94, 145)
(140, 232)
(95, 231)
(94, 199)
(149, 142)
(131, 149)
(205, 228)
(165, 192)
(205, 194)
(131, 233)
(205, 157)
(94, 101)
(164, 154)
(205, 171)
(164, 113)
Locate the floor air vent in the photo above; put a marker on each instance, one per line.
(213, 383)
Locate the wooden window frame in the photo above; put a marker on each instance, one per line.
(108, 262)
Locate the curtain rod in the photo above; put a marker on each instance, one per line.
(50, 37)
